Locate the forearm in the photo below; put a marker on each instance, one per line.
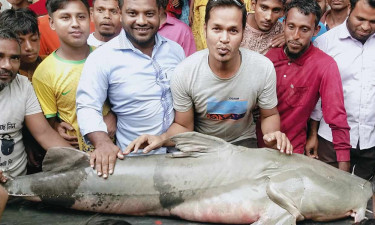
(174, 129)
(99, 138)
(45, 135)
(49, 138)
(53, 122)
(191, 5)
(313, 126)
(270, 124)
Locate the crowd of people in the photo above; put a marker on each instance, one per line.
(118, 78)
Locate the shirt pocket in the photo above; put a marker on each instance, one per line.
(297, 96)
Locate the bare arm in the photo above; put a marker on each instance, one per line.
(183, 122)
(43, 132)
(270, 125)
(191, 12)
(311, 147)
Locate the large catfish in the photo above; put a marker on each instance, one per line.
(210, 180)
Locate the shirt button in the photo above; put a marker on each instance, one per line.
(284, 75)
(288, 63)
(162, 99)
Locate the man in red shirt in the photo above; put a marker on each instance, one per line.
(305, 73)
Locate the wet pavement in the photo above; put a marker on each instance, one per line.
(22, 212)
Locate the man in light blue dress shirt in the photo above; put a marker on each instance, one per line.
(133, 71)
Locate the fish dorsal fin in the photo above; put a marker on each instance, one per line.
(194, 144)
(59, 159)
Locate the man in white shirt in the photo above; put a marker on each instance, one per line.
(105, 14)
(352, 45)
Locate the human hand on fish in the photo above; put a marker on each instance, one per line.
(104, 157)
(145, 142)
(3, 179)
(279, 141)
(62, 129)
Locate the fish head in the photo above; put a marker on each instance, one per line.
(346, 195)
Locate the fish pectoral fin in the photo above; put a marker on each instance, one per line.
(59, 159)
(275, 215)
(199, 143)
(286, 193)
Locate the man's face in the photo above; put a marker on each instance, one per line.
(267, 12)
(338, 4)
(9, 61)
(30, 45)
(141, 20)
(361, 21)
(224, 34)
(72, 24)
(299, 29)
(106, 16)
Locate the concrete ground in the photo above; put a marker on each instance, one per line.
(21, 212)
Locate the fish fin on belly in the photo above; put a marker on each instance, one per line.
(284, 193)
(191, 144)
(59, 159)
(275, 215)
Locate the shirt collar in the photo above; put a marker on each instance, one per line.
(343, 31)
(122, 42)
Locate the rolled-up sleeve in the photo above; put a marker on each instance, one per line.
(91, 94)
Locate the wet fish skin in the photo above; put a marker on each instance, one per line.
(210, 180)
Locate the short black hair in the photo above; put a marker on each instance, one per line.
(226, 3)
(21, 21)
(120, 2)
(306, 7)
(8, 34)
(54, 5)
(353, 3)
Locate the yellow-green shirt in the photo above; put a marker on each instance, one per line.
(55, 82)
